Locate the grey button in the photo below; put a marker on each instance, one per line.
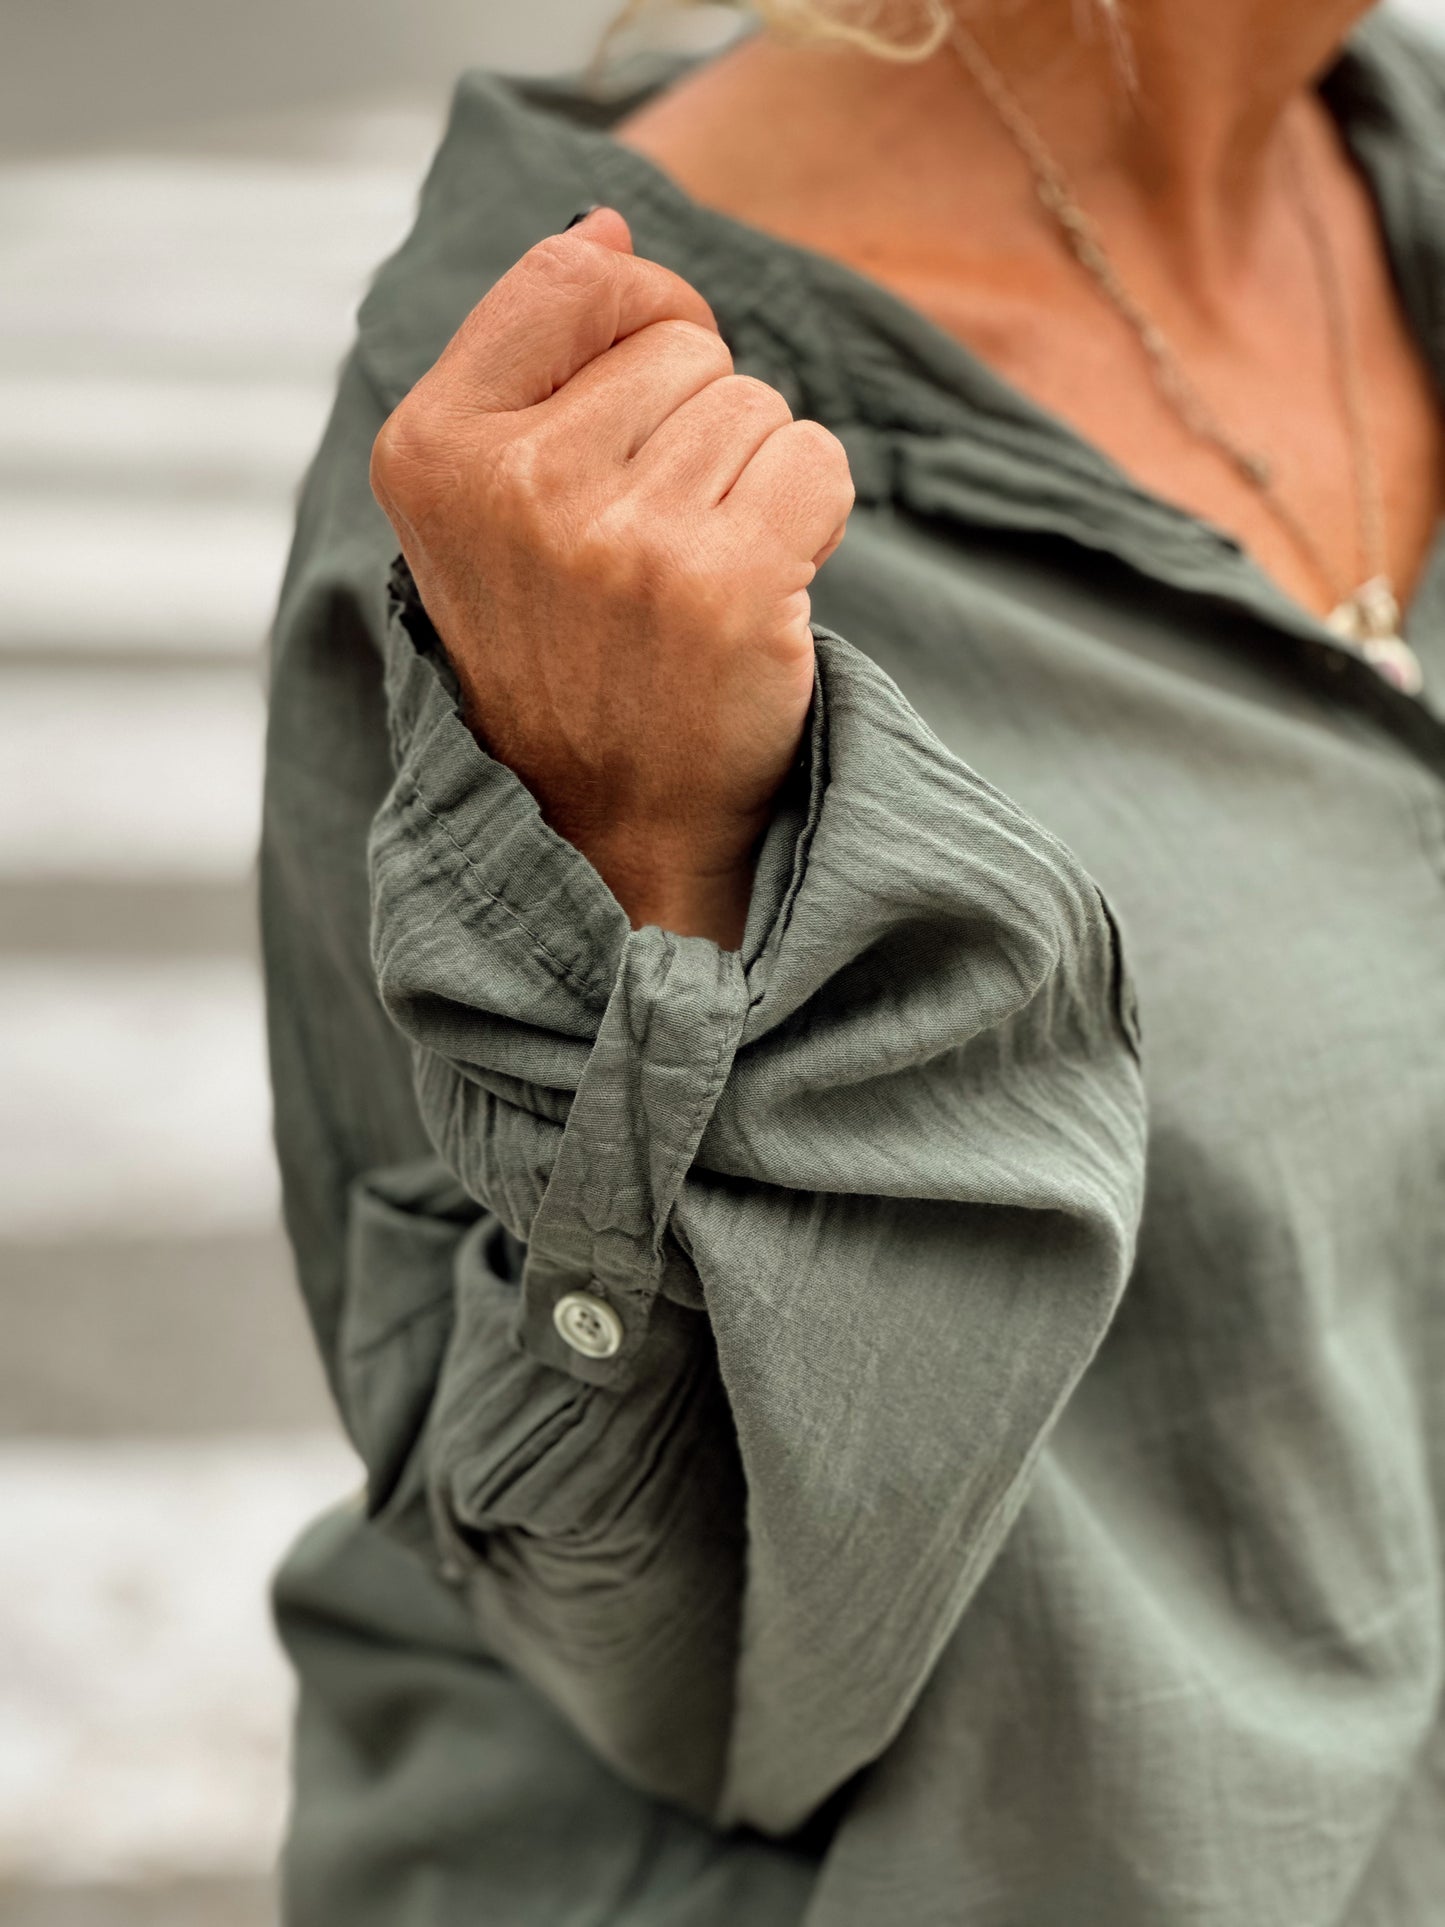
(589, 1325)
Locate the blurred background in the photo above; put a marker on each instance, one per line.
(191, 197)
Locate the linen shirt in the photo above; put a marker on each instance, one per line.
(1015, 1498)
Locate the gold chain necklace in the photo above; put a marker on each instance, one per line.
(1367, 619)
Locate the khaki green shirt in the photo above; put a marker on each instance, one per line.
(1014, 1495)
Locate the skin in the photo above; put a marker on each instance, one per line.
(637, 648)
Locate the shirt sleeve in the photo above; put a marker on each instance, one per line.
(844, 1214)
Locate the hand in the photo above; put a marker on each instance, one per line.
(614, 535)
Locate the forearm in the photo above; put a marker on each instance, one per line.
(882, 1164)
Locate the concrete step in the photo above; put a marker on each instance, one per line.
(156, 1337)
(117, 570)
(143, 1700)
(187, 1903)
(124, 772)
(98, 917)
(103, 432)
(134, 1102)
(212, 267)
(167, 62)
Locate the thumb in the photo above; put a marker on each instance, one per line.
(569, 299)
(602, 224)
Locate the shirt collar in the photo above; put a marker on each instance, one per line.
(927, 423)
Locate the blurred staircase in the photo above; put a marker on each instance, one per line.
(169, 327)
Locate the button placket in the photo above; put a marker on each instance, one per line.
(595, 1249)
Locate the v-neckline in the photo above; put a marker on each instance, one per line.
(1363, 92)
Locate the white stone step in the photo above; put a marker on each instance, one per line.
(130, 773)
(211, 1332)
(134, 1101)
(164, 434)
(143, 1700)
(102, 570)
(194, 264)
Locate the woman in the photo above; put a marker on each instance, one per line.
(866, 1153)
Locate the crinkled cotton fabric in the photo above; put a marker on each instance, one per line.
(1015, 1500)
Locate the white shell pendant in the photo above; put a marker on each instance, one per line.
(1369, 621)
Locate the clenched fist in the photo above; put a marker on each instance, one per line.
(614, 535)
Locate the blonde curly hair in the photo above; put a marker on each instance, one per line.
(872, 25)
(869, 24)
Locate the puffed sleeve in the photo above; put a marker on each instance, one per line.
(812, 1238)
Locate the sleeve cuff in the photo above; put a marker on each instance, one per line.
(555, 1006)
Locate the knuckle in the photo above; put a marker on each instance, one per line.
(753, 396)
(405, 447)
(617, 554)
(825, 455)
(550, 255)
(689, 340)
(385, 454)
(520, 471)
(553, 272)
(820, 443)
(556, 259)
(569, 267)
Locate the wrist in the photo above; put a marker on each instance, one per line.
(711, 904)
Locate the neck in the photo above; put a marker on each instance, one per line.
(1191, 136)
(1184, 167)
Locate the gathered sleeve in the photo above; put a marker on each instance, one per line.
(845, 1211)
